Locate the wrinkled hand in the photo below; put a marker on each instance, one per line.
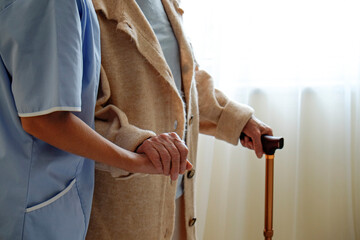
(253, 131)
(168, 153)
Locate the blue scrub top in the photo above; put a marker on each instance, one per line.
(49, 61)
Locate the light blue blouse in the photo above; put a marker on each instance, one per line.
(49, 61)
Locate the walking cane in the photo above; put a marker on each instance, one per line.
(270, 144)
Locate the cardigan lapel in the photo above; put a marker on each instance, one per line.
(174, 13)
(132, 21)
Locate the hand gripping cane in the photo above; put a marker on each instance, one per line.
(270, 144)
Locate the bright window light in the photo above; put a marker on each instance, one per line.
(278, 42)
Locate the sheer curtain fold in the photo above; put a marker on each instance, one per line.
(297, 64)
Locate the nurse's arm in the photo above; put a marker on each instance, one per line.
(67, 132)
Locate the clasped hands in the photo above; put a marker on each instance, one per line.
(168, 153)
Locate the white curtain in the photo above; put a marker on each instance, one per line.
(297, 63)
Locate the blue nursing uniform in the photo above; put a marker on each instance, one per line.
(49, 61)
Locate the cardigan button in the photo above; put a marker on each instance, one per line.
(192, 222)
(191, 173)
(175, 124)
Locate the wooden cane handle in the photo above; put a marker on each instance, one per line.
(271, 143)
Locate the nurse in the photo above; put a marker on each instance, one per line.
(49, 71)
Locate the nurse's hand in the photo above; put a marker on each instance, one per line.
(168, 154)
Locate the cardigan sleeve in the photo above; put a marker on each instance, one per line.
(113, 124)
(219, 116)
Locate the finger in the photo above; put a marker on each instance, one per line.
(248, 142)
(165, 157)
(147, 148)
(154, 157)
(173, 144)
(267, 131)
(188, 165)
(183, 150)
(175, 160)
(175, 170)
(258, 146)
(242, 140)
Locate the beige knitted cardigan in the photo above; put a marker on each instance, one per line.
(138, 99)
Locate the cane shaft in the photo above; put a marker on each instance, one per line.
(269, 191)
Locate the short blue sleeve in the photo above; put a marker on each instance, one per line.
(41, 45)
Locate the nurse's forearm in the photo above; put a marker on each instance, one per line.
(65, 131)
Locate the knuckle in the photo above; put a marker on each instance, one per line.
(184, 152)
(156, 140)
(258, 132)
(181, 145)
(164, 135)
(150, 141)
(174, 135)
